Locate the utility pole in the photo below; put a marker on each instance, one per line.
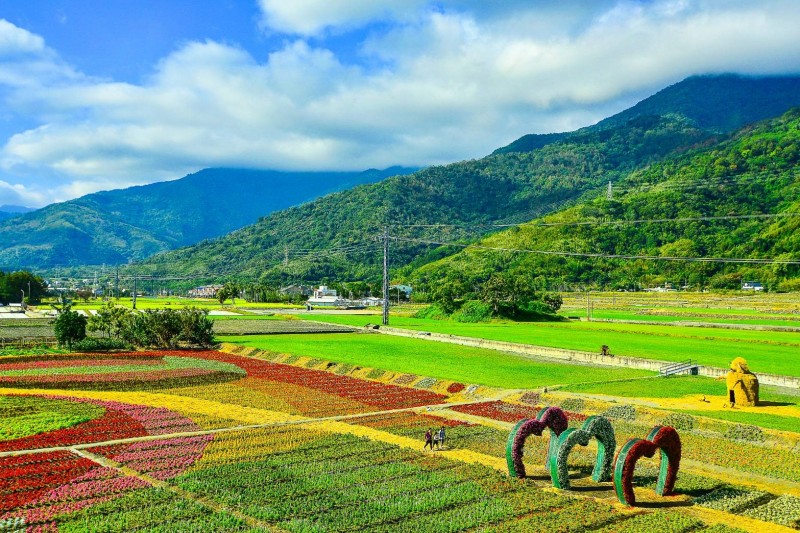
(134, 291)
(588, 307)
(116, 284)
(385, 277)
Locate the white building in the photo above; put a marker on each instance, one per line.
(752, 286)
(325, 297)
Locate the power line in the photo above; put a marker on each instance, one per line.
(611, 256)
(600, 222)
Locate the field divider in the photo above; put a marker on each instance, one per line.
(291, 421)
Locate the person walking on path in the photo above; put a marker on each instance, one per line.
(428, 439)
(440, 437)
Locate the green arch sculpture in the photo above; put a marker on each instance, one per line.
(597, 427)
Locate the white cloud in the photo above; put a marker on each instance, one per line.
(453, 84)
(17, 194)
(309, 17)
(15, 40)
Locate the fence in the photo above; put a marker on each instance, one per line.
(27, 342)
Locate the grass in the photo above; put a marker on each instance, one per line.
(676, 387)
(774, 352)
(439, 360)
(781, 423)
(681, 386)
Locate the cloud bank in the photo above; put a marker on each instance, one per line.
(434, 83)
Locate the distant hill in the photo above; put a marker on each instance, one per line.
(551, 172)
(118, 226)
(334, 238)
(719, 104)
(720, 191)
(8, 211)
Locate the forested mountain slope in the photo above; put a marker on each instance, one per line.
(502, 186)
(719, 104)
(117, 226)
(755, 173)
(335, 237)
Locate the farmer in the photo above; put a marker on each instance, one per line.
(440, 437)
(428, 439)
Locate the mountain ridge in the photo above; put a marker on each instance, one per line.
(126, 224)
(706, 101)
(468, 194)
(737, 200)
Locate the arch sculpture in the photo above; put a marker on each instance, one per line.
(597, 427)
(662, 438)
(552, 418)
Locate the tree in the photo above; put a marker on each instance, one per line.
(84, 294)
(553, 301)
(12, 285)
(69, 327)
(222, 295)
(196, 328)
(109, 320)
(233, 290)
(507, 293)
(446, 293)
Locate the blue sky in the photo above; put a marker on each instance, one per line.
(102, 94)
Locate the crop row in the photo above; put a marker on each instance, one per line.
(161, 459)
(363, 486)
(23, 416)
(148, 509)
(508, 412)
(367, 392)
(119, 421)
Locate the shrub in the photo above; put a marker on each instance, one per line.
(536, 310)
(375, 373)
(433, 312)
(167, 328)
(621, 412)
(473, 311)
(789, 285)
(426, 383)
(553, 301)
(784, 510)
(744, 432)
(679, 421)
(576, 405)
(94, 344)
(196, 329)
(733, 500)
(343, 369)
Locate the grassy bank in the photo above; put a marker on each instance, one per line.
(444, 361)
(773, 352)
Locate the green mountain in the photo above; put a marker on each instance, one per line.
(8, 211)
(119, 226)
(719, 104)
(719, 196)
(336, 237)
